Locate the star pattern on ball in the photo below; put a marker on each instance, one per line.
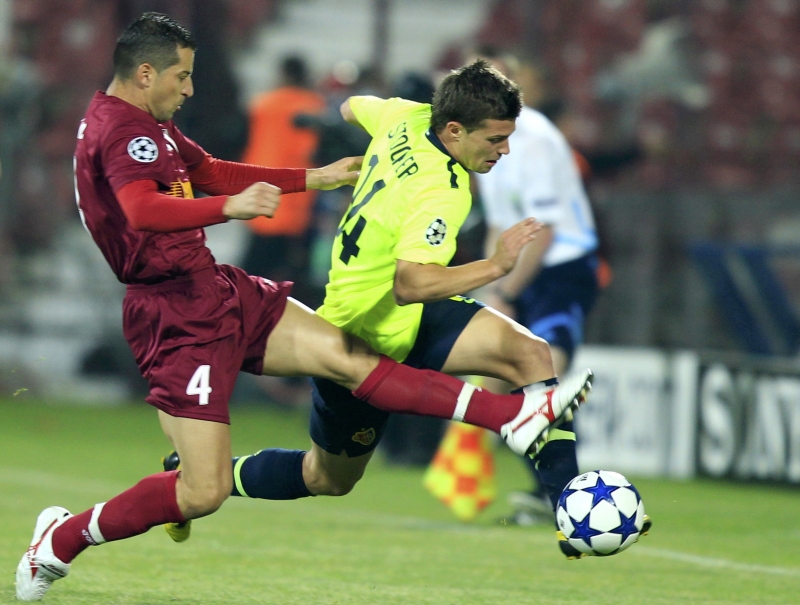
(627, 526)
(601, 492)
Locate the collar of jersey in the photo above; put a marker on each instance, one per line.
(437, 142)
(112, 99)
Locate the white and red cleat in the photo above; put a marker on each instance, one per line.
(39, 566)
(543, 409)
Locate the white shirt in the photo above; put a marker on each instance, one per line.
(539, 177)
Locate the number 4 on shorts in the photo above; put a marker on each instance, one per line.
(199, 384)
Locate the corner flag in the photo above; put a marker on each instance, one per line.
(461, 473)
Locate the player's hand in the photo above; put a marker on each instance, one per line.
(333, 176)
(259, 199)
(512, 241)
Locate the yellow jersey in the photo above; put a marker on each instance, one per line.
(409, 203)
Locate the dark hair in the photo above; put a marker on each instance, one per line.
(295, 71)
(414, 87)
(475, 93)
(153, 38)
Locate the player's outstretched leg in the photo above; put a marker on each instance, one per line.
(269, 474)
(179, 532)
(39, 566)
(542, 409)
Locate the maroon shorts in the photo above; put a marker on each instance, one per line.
(192, 335)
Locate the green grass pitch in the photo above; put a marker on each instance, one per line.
(389, 542)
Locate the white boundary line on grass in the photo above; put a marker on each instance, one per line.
(718, 563)
(53, 481)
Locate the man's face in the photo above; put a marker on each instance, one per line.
(480, 149)
(172, 86)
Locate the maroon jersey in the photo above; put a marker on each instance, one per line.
(118, 144)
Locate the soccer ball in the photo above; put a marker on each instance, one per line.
(600, 513)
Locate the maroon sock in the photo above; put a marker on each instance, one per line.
(394, 387)
(150, 502)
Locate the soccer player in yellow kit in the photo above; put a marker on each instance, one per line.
(391, 287)
(390, 283)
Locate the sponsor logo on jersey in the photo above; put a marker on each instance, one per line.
(143, 149)
(364, 436)
(181, 189)
(436, 232)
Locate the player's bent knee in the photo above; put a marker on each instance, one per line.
(326, 474)
(336, 488)
(200, 502)
(321, 483)
(532, 357)
(350, 366)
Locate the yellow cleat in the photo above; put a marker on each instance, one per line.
(569, 551)
(179, 532)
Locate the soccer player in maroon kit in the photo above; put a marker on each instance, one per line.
(193, 324)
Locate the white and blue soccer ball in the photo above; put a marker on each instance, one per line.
(600, 513)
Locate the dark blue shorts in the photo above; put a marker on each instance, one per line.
(341, 422)
(555, 305)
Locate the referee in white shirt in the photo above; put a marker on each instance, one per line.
(554, 284)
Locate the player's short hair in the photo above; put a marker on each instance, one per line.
(153, 38)
(475, 93)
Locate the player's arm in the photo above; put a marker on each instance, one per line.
(349, 115)
(219, 177)
(421, 283)
(148, 209)
(364, 111)
(508, 288)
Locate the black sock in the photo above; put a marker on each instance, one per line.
(557, 463)
(273, 474)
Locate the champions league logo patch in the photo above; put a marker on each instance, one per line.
(143, 149)
(436, 232)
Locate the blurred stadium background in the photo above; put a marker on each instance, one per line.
(688, 109)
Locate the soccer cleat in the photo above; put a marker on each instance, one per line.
(542, 409)
(572, 553)
(179, 532)
(39, 566)
(530, 505)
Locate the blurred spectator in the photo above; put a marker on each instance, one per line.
(214, 118)
(554, 284)
(19, 113)
(278, 246)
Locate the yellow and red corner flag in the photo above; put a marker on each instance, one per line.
(461, 473)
